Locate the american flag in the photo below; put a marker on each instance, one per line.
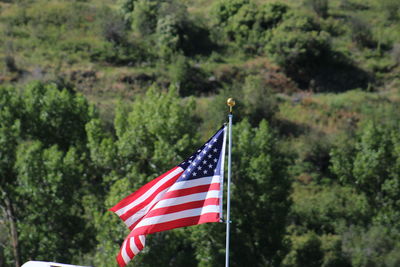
(188, 194)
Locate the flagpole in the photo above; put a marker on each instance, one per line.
(230, 102)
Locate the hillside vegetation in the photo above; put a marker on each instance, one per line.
(97, 97)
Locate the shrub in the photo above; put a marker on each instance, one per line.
(361, 33)
(11, 66)
(57, 13)
(247, 24)
(258, 100)
(188, 79)
(376, 246)
(306, 251)
(167, 37)
(315, 207)
(352, 5)
(395, 53)
(144, 17)
(126, 8)
(166, 26)
(371, 165)
(129, 53)
(313, 154)
(320, 7)
(113, 28)
(299, 45)
(391, 8)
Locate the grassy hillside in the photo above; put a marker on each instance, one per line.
(325, 75)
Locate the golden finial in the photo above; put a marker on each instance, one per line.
(230, 102)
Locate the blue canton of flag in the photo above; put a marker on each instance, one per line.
(206, 161)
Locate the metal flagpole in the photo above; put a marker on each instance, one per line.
(230, 103)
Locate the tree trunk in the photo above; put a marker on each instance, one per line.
(13, 231)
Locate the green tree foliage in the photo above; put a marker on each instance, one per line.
(260, 182)
(258, 100)
(361, 33)
(152, 136)
(316, 208)
(55, 116)
(309, 249)
(167, 26)
(391, 9)
(50, 225)
(320, 7)
(306, 251)
(157, 123)
(299, 45)
(144, 17)
(126, 8)
(375, 246)
(190, 80)
(168, 38)
(372, 167)
(247, 24)
(43, 141)
(176, 33)
(10, 130)
(61, 168)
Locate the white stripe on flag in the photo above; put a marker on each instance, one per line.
(139, 214)
(124, 254)
(178, 215)
(134, 248)
(142, 239)
(177, 186)
(194, 182)
(149, 192)
(186, 199)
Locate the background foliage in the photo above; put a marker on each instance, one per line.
(97, 97)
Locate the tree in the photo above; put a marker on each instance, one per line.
(320, 7)
(306, 251)
(260, 204)
(299, 45)
(144, 17)
(10, 131)
(51, 226)
(43, 140)
(259, 100)
(372, 167)
(55, 115)
(153, 135)
(247, 24)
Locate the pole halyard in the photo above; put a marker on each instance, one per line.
(230, 102)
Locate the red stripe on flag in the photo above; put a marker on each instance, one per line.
(120, 260)
(179, 193)
(138, 243)
(139, 192)
(191, 190)
(184, 206)
(140, 206)
(135, 223)
(128, 249)
(159, 227)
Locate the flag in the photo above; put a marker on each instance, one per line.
(188, 194)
